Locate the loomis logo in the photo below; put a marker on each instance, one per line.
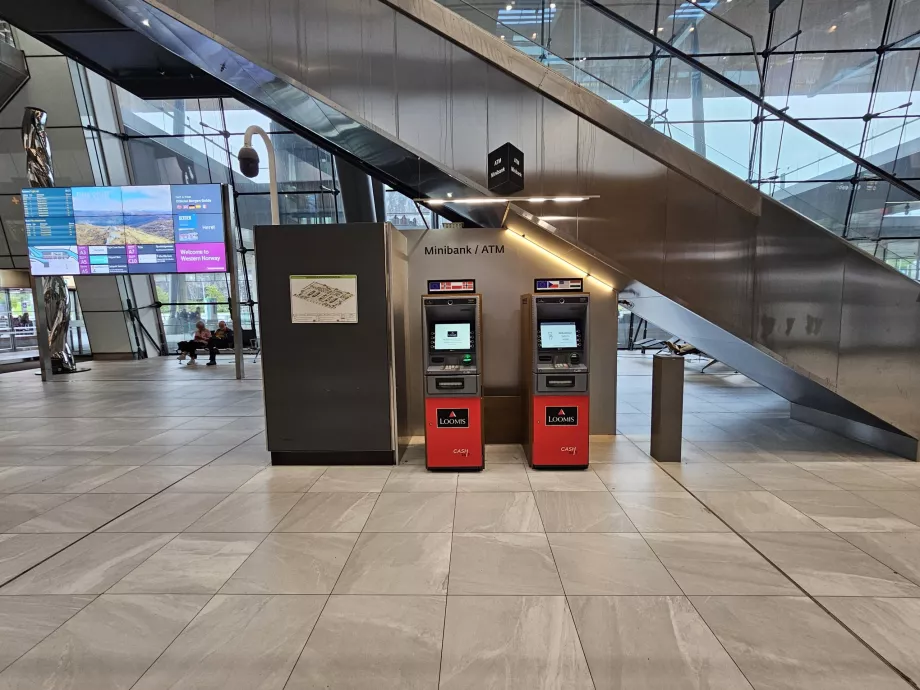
(453, 418)
(562, 416)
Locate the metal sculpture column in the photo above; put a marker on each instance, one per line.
(56, 297)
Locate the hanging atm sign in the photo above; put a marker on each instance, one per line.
(562, 416)
(453, 418)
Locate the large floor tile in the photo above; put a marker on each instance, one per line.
(186, 455)
(18, 479)
(502, 564)
(718, 564)
(352, 479)
(108, 644)
(782, 476)
(826, 565)
(83, 514)
(842, 511)
(708, 476)
(581, 511)
(18, 508)
(497, 511)
(608, 564)
(77, 455)
(190, 564)
(133, 455)
(622, 451)
(292, 564)
(168, 512)
(373, 643)
(649, 643)
(19, 552)
(668, 512)
(756, 511)
(905, 470)
(635, 477)
(382, 563)
(736, 451)
(249, 512)
(900, 551)
(412, 512)
(237, 643)
(145, 480)
(904, 504)
(890, 626)
(789, 643)
(329, 512)
(416, 478)
(495, 478)
(216, 479)
(283, 480)
(77, 480)
(26, 621)
(573, 480)
(90, 566)
(856, 477)
(513, 643)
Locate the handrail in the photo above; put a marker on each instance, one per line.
(760, 102)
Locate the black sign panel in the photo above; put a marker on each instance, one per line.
(506, 170)
(560, 416)
(453, 418)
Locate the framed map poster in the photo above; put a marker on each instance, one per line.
(324, 299)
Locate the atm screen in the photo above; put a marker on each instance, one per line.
(452, 336)
(558, 334)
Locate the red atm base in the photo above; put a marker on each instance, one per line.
(560, 431)
(453, 433)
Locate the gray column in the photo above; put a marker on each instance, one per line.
(357, 195)
(667, 407)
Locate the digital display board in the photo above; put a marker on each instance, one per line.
(452, 336)
(137, 229)
(558, 334)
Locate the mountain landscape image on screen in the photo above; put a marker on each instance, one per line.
(97, 230)
(155, 228)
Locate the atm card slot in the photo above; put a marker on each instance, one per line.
(560, 381)
(448, 384)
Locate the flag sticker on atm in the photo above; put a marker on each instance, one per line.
(453, 417)
(561, 416)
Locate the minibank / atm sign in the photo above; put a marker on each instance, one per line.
(453, 418)
(562, 416)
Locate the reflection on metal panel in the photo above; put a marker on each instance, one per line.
(421, 96)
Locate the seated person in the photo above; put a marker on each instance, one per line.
(25, 321)
(199, 341)
(220, 339)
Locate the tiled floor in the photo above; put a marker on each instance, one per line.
(146, 547)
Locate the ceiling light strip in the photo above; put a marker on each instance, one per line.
(507, 200)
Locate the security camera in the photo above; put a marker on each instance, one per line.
(249, 161)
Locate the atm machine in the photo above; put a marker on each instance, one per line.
(555, 361)
(452, 322)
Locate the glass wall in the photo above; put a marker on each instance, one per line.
(196, 141)
(847, 69)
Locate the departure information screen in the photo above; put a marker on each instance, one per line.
(111, 230)
(452, 336)
(558, 334)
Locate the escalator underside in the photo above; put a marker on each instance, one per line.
(418, 96)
